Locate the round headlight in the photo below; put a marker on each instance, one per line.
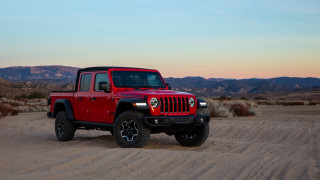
(191, 102)
(154, 102)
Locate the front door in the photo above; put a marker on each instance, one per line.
(100, 100)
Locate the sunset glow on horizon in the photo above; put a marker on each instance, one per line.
(212, 39)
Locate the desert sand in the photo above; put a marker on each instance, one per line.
(280, 143)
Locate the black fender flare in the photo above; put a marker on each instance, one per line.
(67, 106)
(201, 103)
(132, 103)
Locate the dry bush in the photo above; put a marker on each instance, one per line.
(27, 105)
(12, 102)
(230, 108)
(312, 103)
(239, 110)
(26, 109)
(7, 110)
(294, 103)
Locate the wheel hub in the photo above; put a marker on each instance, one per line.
(129, 130)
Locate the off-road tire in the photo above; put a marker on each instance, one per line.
(194, 138)
(138, 128)
(64, 128)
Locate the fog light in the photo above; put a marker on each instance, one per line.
(156, 121)
(201, 120)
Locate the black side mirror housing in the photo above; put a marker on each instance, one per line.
(169, 86)
(104, 86)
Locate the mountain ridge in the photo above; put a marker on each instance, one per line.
(66, 75)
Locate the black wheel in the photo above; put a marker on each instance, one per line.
(129, 130)
(193, 138)
(64, 127)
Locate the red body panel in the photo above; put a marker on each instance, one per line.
(99, 106)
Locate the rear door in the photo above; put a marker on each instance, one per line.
(100, 100)
(82, 98)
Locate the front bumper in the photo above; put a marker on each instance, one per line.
(157, 121)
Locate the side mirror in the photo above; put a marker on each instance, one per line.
(169, 86)
(104, 86)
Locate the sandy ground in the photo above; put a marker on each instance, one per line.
(281, 143)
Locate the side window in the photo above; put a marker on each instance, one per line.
(100, 77)
(85, 82)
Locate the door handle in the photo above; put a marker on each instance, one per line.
(79, 98)
(93, 98)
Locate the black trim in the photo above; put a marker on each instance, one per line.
(93, 125)
(49, 100)
(49, 114)
(67, 106)
(132, 101)
(176, 120)
(61, 91)
(198, 103)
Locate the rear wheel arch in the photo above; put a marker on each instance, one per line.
(63, 105)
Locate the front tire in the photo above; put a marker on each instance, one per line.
(194, 138)
(129, 130)
(64, 128)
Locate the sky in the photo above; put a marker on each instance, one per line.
(219, 39)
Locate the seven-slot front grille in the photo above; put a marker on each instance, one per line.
(174, 105)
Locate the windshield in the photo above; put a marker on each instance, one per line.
(137, 79)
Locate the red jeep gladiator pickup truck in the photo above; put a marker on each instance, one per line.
(131, 103)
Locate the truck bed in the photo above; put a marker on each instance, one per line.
(61, 95)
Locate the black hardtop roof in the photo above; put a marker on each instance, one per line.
(101, 68)
(105, 68)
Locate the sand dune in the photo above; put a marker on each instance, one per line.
(281, 143)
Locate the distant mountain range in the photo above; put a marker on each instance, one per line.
(244, 87)
(32, 73)
(64, 76)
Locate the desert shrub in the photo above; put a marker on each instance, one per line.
(33, 95)
(6, 110)
(35, 108)
(228, 109)
(224, 112)
(254, 111)
(27, 105)
(265, 102)
(312, 104)
(294, 103)
(244, 98)
(239, 110)
(22, 97)
(260, 98)
(221, 98)
(36, 95)
(12, 102)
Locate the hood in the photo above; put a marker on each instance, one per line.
(152, 92)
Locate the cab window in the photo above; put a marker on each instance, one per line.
(85, 82)
(100, 77)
